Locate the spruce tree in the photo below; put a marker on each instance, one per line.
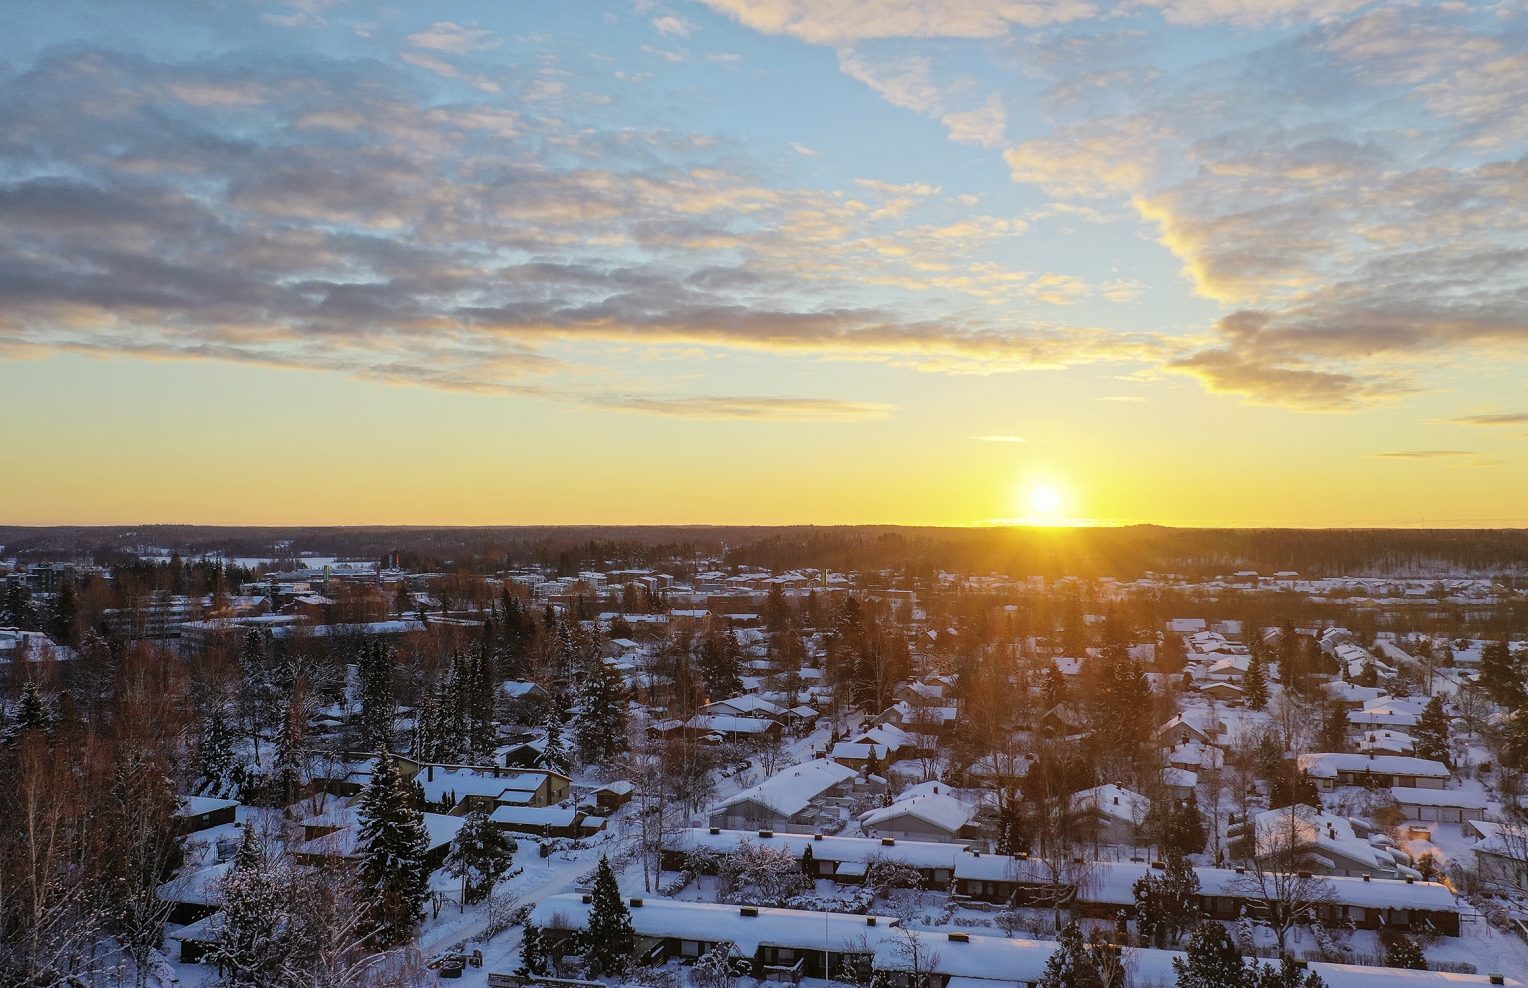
(609, 941)
(532, 952)
(480, 855)
(1212, 960)
(601, 723)
(1431, 733)
(1256, 683)
(1069, 965)
(255, 931)
(32, 712)
(393, 844)
(221, 774)
(1500, 677)
(286, 772)
(375, 668)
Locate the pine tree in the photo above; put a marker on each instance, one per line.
(254, 933)
(480, 855)
(1403, 952)
(1069, 965)
(1212, 961)
(1500, 677)
(555, 755)
(375, 668)
(32, 712)
(393, 844)
(532, 952)
(1256, 683)
(601, 723)
(1514, 738)
(808, 862)
(1431, 733)
(609, 942)
(1287, 975)
(221, 774)
(1334, 727)
(286, 772)
(1166, 905)
(63, 614)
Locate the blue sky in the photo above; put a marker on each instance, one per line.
(1295, 226)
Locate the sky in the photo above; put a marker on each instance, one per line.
(950, 262)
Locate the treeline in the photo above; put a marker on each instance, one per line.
(916, 553)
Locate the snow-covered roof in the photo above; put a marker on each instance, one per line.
(1113, 801)
(1409, 796)
(533, 816)
(712, 923)
(938, 809)
(1326, 765)
(793, 789)
(197, 805)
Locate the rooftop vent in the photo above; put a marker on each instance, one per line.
(960, 938)
(587, 898)
(715, 831)
(1366, 876)
(636, 902)
(748, 911)
(817, 837)
(1159, 865)
(888, 842)
(869, 920)
(1411, 880)
(766, 833)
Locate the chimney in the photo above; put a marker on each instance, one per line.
(766, 833)
(636, 902)
(748, 911)
(869, 920)
(817, 837)
(888, 842)
(960, 938)
(1366, 876)
(715, 831)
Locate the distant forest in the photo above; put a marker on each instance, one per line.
(1124, 553)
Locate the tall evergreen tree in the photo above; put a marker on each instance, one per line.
(1500, 676)
(393, 844)
(1069, 965)
(253, 936)
(221, 774)
(32, 712)
(555, 755)
(601, 721)
(532, 952)
(375, 669)
(1431, 733)
(1256, 683)
(1212, 961)
(609, 942)
(480, 855)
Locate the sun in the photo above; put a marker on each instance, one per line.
(1045, 501)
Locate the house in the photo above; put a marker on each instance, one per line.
(523, 701)
(747, 705)
(1063, 720)
(794, 799)
(1180, 783)
(733, 728)
(1223, 690)
(929, 812)
(614, 795)
(1325, 844)
(788, 945)
(1191, 725)
(195, 893)
(1332, 769)
(774, 944)
(1383, 742)
(1104, 889)
(1501, 853)
(462, 788)
(334, 836)
(1197, 757)
(203, 813)
(543, 821)
(1110, 814)
(1186, 626)
(1439, 805)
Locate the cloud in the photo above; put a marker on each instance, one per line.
(840, 21)
(803, 150)
(1492, 419)
(447, 36)
(344, 223)
(1000, 439)
(1422, 454)
(982, 127)
(673, 26)
(744, 407)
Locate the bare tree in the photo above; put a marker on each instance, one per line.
(1279, 890)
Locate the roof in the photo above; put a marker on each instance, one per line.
(1326, 765)
(197, 805)
(793, 789)
(533, 816)
(1410, 796)
(939, 809)
(712, 923)
(1112, 800)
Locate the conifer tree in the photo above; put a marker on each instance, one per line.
(1500, 677)
(601, 721)
(393, 844)
(286, 772)
(1256, 683)
(609, 942)
(555, 755)
(480, 855)
(253, 935)
(1431, 733)
(221, 774)
(32, 712)
(1212, 961)
(1069, 965)
(532, 952)
(375, 668)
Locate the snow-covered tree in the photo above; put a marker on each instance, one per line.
(601, 722)
(714, 969)
(254, 936)
(222, 775)
(1212, 960)
(480, 855)
(532, 951)
(609, 942)
(555, 755)
(393, 845)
